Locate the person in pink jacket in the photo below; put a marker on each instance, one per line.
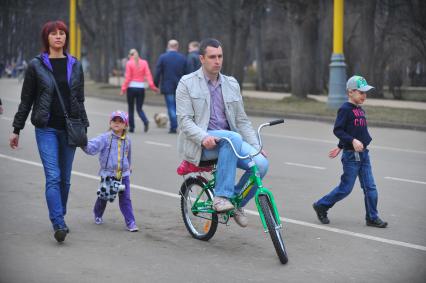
(137, 71)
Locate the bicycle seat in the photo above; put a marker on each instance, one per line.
(186, 167)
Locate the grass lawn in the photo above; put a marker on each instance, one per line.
(311, 107)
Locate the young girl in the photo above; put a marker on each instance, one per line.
(114, 150)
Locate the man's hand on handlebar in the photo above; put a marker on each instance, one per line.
(209, 142)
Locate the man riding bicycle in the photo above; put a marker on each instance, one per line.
(209, 106)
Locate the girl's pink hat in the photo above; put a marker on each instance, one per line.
(123, 115)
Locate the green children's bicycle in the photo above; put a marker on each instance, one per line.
(197, 193)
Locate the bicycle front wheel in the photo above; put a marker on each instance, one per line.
(273, 228)
(196, 207)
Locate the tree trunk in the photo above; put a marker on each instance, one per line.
(303, 33)
(324, 47)
(242, 24)
(260, 69)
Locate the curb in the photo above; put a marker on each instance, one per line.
(156, 100)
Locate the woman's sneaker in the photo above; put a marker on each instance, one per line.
(132, 227)
(98, 220)
(60, 234)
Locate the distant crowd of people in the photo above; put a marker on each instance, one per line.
(170, 67)
(13, 69)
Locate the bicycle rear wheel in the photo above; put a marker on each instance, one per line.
(200, 223)
(273, 228)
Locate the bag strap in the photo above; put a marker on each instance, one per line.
(61, 101)
(109, 151)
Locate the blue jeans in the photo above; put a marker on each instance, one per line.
(351, 170)
(57, 158)
(171, 110)
(227, 164)
(138, 94)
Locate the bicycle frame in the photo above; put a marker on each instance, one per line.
(254, 178)
(197, 199)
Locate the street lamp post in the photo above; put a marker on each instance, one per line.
(75, 33)
(337, 88)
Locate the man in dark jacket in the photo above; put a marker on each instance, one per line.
(193, 59)
(170, 68)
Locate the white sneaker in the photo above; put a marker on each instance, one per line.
(240, 217)
(99, 220)
(221, 204)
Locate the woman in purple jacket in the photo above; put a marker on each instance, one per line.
(114, 148)
(39, 97)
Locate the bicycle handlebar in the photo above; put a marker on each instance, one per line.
(276, 122)
(272, 123)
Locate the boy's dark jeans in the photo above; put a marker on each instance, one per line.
(351, 169)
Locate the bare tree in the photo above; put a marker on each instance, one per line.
(20, 26)
(304, 20)
(99, 35)
(290, 40)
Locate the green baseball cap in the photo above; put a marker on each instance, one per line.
(359, 83)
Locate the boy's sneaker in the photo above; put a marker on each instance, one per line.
(99, 220)
(221, 204)
(240, 217)
(132, 227)
(321, 213)
(379, 223)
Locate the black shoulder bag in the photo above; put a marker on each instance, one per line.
(76, 130)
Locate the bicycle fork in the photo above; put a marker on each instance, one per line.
(255, 178)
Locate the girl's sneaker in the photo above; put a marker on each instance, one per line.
(99, 220)
(132, 227)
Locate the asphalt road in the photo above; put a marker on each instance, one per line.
(163, 251)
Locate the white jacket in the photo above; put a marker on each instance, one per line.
(193, 113)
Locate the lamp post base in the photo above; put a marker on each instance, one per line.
(337, 84)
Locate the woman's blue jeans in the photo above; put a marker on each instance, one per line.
(57, 158)
(227, 164)
(171, 109)
(353, 168)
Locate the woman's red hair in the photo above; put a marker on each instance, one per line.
(51, 27)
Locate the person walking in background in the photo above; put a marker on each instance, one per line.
(137, 71)
(114, 148)
(351, 130)
(170, 68)
(39, 94)
(193, 59)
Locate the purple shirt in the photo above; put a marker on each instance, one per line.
(218, 119)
